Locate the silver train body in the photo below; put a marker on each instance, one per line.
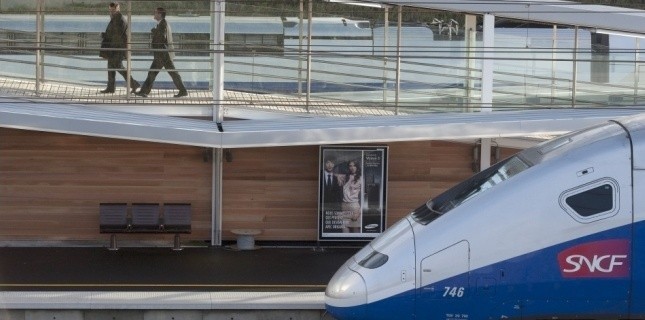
(555, 232)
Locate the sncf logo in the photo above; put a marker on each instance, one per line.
(600, 259)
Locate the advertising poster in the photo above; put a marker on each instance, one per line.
(352, 192)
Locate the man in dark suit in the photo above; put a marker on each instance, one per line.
(116, 37)
(332, 190)
(162, 39)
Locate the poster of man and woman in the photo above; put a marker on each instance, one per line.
(352, 192)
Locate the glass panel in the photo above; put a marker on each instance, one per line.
(594, 201)
(468, 189)
(354, 55)
(534, 64)
(18, 40)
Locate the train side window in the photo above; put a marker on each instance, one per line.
(591, 202)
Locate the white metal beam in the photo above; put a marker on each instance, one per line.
(83, 120)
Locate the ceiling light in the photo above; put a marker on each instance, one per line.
(619, 33)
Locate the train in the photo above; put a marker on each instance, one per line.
(556, 231)
(268, 54)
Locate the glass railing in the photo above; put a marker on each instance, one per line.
(354, 62)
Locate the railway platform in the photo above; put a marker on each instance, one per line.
(206, 282)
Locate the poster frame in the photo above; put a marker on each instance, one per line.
(333, 221)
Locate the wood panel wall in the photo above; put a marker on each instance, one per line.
(51, 184)
(272, 189)
(276, 189)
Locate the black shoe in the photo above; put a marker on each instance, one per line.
(141, 94)
(181, 94)
(134, 88)
(108, 90)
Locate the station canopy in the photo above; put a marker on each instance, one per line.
(566, 13)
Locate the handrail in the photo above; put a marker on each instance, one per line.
(425, 73)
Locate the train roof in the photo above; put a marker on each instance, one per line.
(636, 127)
(253, 25)
(329, 26)
(617, 128)
(289, 26)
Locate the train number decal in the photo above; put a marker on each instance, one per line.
(453, 292)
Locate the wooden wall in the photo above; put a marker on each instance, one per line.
(276, 189)
(51, 184)
(273, 189)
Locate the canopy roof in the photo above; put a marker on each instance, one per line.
(90, 121)
(549, 11)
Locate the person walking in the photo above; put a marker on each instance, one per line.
(116, 37)
(162, 39)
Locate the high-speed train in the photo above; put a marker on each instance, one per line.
(556, 231)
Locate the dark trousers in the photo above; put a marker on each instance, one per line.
(162, 60)
(117, 63)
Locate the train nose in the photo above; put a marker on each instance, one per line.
(346, 294)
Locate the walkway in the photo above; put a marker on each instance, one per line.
(279, 104)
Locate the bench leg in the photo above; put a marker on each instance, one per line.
(113, 245)
(177, 243)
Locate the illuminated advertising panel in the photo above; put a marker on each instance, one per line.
(352, 192)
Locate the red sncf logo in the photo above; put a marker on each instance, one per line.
(599, 259)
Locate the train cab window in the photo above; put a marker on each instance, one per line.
(469, 189)
(591, 202)
(363, 25)
(252, 44)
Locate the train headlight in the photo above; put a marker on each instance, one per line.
(345, 289)
(374, 260)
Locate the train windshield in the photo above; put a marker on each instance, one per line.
(468, 189)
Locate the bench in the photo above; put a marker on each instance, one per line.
(145, 218)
